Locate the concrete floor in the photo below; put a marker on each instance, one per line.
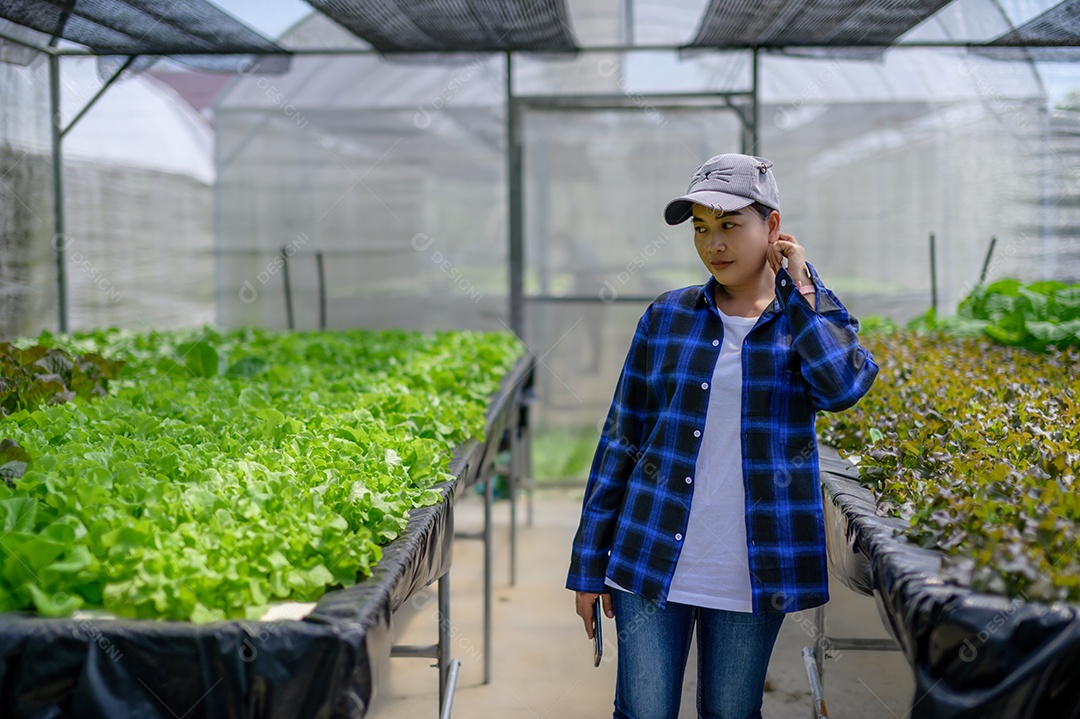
(542, 661)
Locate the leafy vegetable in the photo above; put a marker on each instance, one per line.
(39, 375)
(1037, 316)
(978, 446)
(225, 471)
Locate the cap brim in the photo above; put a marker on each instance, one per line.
(680, 209)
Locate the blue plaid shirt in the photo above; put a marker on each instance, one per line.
(796, 360)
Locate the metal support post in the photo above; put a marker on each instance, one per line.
(59, 240)
(288, 288)
(819, 642)
(819, 710)
(512, 481)
(755, 123)
(448, 668)
(489, 500)
(322, 289)
(823, 644)
(986, 261)
(447, 699)
(526, 460)
(933, 273)
(516, 253)
(444, 641)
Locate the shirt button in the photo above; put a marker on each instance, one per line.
(697, 432)
(715, 342)
(704, 385)
(678, 537)
(689, 480)
(783, 283)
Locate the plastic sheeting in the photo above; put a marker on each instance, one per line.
(325, 666)
(974, 655)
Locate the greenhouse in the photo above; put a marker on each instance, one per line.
(301, 298)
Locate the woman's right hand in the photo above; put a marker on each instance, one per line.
(584, 601)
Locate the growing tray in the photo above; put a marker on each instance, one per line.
(973, 655)
(326, 665)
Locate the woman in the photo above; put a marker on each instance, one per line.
(703, 506)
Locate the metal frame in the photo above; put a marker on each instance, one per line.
(516, 105)
(751, 125)
(448, 668)
(57, 136)
(823, 644)
(612, 47)
(516, 436)
(814, 657)
(516, 427)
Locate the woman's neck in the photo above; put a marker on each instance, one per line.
(747, 299)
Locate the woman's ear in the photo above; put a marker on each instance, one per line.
(774, 226)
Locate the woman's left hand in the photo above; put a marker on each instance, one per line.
(786, 246)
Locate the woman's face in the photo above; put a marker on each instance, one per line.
(733, 245)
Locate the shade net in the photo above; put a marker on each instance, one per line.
(1059, 24)
(457, 25)
(1046, 37)
(776, 23)
(148, 27)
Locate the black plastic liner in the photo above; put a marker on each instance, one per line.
(326, 666)
(974, 655)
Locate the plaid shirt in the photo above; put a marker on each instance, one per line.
(796, 360)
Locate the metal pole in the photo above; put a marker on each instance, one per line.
(322, 289)
(48, 50)
(97, 96)
(515, 473)
(609, 48)
(59, 239)
(526, 460)
(288, 288)
(219, 270)
(514, 190)
(628, 22)
(819, 643)
(447, 705)
(444, 639)
(986, 261)
(489, 500)
(755, 121)
(933, 274)
(819, 710)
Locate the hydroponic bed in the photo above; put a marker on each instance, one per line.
(968, 539)
(324, 664)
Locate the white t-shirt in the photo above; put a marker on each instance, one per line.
(713, 567)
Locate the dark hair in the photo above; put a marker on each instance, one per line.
(763, 210)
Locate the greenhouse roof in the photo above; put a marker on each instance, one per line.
(779, 23)
(140, 27)
(454, 25)
(198, 28)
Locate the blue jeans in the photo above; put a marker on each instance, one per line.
(654, 643)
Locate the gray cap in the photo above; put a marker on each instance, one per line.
(726, 183)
